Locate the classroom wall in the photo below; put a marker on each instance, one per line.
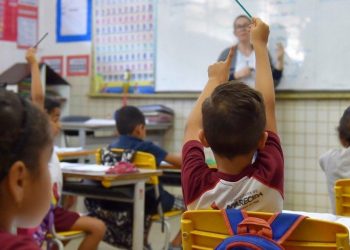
(307, 129)
(10, 55)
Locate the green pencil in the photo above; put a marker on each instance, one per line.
(250, 16)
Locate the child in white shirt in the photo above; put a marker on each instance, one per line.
(336, 162)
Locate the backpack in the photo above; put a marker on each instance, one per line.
(110, 158)
(250, 233)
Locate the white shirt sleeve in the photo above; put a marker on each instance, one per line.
(324, 160)
(56, 175)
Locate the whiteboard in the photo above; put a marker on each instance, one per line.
(191, 34)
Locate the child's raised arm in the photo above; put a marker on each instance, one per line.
(37, 93)
(264, 81)
(218, 73)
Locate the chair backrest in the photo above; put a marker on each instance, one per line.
(205, 229)
(342, 197)
(141, 160)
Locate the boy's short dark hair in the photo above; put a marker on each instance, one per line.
(127, 118)
(344, 126)
(50, 104)
(24, 132)
(233, 119)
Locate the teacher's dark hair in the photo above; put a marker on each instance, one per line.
(344, 126)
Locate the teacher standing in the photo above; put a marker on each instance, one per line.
(243, 63)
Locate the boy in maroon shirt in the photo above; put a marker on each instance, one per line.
(238, 123)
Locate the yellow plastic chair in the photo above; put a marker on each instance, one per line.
(342, 197)
(147, 161)
(58, 238)
(205, 229)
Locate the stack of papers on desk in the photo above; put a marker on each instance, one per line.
(345, 221)
(67, 150)
(77, 167)
(100, 122)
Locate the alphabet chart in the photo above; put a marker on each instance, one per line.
(124, 41)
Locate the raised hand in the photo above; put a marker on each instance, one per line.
(220, 70)
(31, 56)
(259, 32)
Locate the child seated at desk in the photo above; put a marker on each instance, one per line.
(130, 123)
(336, 162)
(64, 220)
(25, 150)
(239, 125)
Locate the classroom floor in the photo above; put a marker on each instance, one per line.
(154, 238)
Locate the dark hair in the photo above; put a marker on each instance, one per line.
(233, 119)
(51, 104)
(127, 118)
(240, 16)
(344, 126)
(24, 132)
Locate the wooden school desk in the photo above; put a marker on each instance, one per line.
(136, 179)
(157, 130)
(171, 175)
(80, 154)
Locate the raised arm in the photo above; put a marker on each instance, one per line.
(37, 92)
(218, 73)
(264, 81)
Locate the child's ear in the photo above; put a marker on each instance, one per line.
(262, 140)
(202, 138)
(138, 130)
(17, 177)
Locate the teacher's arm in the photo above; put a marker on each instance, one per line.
(277, 70)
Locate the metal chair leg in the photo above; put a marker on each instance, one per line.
(58, 243)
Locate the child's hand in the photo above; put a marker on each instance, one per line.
(31, 56)
(220, 70)
(259, 32)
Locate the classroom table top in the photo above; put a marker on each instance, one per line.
(79, 153)
(101, 176)
(107, 123)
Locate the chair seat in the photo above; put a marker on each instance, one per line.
(67, 235)
(167, 215)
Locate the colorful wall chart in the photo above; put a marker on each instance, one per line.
(124, 46)
(73, 20)
(55, 62)
(19, 22)
(78, 65)
(8, 20)
(27, 23)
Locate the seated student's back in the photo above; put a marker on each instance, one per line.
(25, 150)
(239, 125)
(131, 126)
